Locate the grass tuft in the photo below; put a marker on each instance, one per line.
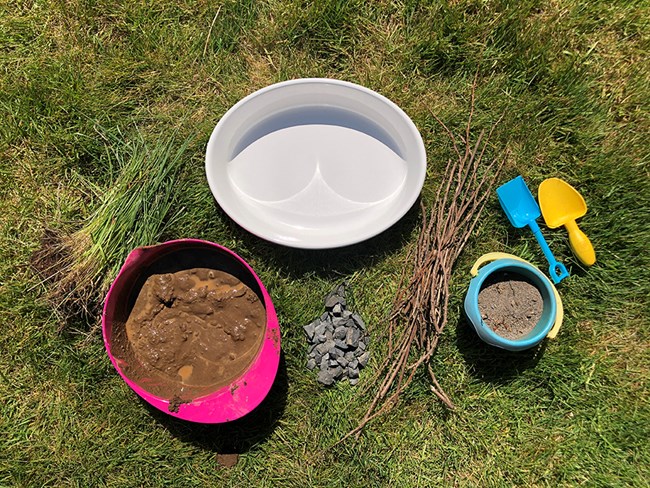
(135, 209)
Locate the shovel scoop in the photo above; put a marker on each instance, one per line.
(561, 204)
(522, 210)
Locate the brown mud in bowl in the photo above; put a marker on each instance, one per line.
(193, 322)
(510, 305)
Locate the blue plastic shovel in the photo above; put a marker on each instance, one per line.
(522, 210)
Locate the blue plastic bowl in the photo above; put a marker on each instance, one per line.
(526, 271)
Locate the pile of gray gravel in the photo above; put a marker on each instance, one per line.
(338, 341)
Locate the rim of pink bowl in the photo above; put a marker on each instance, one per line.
(234, 400)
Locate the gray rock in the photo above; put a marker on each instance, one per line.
(332, 300)
(353, 372)
(346, 314)
(325, 317)
(339, 321)
(323, 347)
(337, 310)
(340, 332)
(359, 321)
(354, 364)
(311, 348)
(341, 360)
(311, 364)
(326, 377)
(349, 355)
(336, 296)
(329, 327)
(319, 330)
(320, 338)
(336, 353)
(340, 290)
(337, 372)
(317, 357)
(333, 363)
(309, 330)
(362, 344)
(354, 381)
(324, 363)
(341, 344)
(352, 338)
(329, 335)
(363, 359)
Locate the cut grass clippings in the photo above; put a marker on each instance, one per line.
(138, 204)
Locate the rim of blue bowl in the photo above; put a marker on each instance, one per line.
(540, 281)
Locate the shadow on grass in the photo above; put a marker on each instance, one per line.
(328, 263)
(238, 436)
(492, 364)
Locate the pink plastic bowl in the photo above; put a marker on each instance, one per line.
(243, 394)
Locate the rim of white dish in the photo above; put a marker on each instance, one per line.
(231, 209)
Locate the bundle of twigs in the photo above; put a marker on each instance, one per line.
(419, 312)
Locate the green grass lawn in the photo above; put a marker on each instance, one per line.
(573, 79)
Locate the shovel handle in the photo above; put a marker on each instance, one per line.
(580, 244)
(556, 270)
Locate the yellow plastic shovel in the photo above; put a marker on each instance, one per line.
(561, 204)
